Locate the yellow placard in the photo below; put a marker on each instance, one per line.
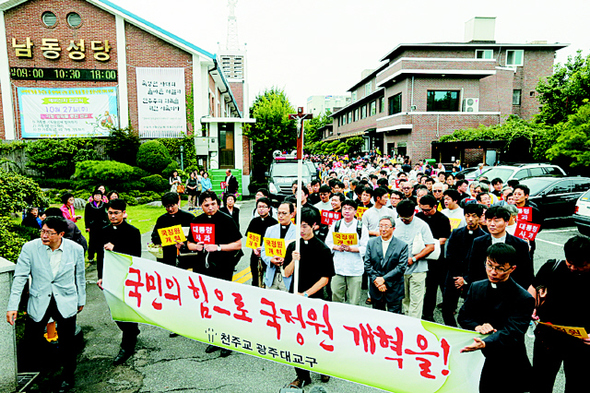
(253, 240)
(455, 222)
(360, 211)
(275, 247)
(170, 235)
(578, 332)
(347, 239)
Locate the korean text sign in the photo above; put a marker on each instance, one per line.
(275, 247)
(253, 240)
(203, 233)
(347, 239)
(398, 353)
(329, 217)
(171, 235)
(65, 113)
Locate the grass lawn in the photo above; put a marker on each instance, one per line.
(142, 217)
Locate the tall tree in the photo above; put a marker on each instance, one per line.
(272, 131)
(574, 139)
(564, 92)
(313, 126)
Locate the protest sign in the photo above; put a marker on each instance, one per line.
(376, 348)
(253, 240)
(275, 247)
(171, 235)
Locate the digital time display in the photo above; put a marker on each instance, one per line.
(62, 74)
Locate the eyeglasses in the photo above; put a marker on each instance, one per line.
(436, 190)
(114, 213)
(48, 233)
(385, 226)
(498, 269)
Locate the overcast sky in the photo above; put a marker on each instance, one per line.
(320, 47)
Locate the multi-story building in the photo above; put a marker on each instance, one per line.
(424, 91)
(318, 105)
(79, 67)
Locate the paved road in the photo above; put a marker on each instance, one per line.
(164, 364)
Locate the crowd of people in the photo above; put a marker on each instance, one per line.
(405, 233)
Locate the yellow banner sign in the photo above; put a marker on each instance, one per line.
(170, 235)
(253, 240)
(275, 247)
(347, 239)
(578, 332)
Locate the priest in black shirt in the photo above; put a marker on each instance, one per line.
(220, 258)
(316, 267)
(259, 225)
(173, 216)
(124, 238)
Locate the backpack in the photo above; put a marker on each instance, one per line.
(359, 227)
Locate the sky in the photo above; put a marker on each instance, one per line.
(320, 47)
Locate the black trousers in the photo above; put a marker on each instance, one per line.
(94, 246)
(394, 307)
(450, 300)
(66, 330)
(130, 332)
(550, 351)
(435, 278)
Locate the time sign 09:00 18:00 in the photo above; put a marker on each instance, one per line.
(62, 74)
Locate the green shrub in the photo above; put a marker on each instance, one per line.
(173, 166)
(10, 242)
(138, 173)
(18, 192)
(55, 157)
(122, 145)
(153, 157)
(155, 183)
(108, 172)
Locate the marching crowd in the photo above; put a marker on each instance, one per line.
(401, 231)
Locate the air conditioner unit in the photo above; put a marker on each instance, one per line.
(471, 105)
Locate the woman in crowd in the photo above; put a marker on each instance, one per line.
(229, 208)
(112, 195)
(206, 184)
(67, 208)
(192, 184)
(32, 219)
(174, 181)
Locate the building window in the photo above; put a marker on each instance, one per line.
(516, 97)
(373, 109)
(368, 87)
(442, 101)
(356, 114)
(353, 96)
(349, 117)
(395, 104)
(514, 57)
(344, 120)
(381, 105)
(486, 54)
(363, 111)
(49, 19)
(74, 20)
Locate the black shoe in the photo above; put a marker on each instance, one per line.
(211, 349)
(299, 383)
(122, 356)
(173, 334)
(66, 386)
(225, 352)
(325, 378)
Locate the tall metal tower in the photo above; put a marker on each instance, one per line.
(232, 27)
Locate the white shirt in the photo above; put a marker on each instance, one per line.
(385, 245)
(407, 233)
(499, 240)
(349, 263)
(455, 214)
(372, 217)
(323, 206)
(55, 258)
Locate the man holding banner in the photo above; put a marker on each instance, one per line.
(348, 255)
(255, 235)
(124, 238)
(215, 237)
(315, 269)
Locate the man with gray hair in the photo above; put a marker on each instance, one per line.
(511, 227)
(386, 260)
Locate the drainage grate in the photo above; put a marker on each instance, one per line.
(23, 380)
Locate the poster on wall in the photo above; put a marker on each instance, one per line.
(66, 113)
(161, 102)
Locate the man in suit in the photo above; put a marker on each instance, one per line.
(497, 218)
(500, 309)
(386, 261)
(231, 183)
(285, 229)
(58, 291)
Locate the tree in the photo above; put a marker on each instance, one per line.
(574, 139)
(122, 145)
(565, 91)
(313, 126)
(272, 131)
(153, 156)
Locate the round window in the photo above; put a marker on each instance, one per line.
(74, 19)
(49, 19)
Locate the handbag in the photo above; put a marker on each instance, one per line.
(180, 189)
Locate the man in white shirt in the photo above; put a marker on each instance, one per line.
(410, 229)
(324, 203)
(372, 216)
(348, 259)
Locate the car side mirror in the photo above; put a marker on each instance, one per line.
(266, 174)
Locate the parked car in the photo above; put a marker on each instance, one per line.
(556, 196)
(522, 171)
(283, 172)
(582, 214)
(469, 173)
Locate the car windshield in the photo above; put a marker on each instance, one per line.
(288, 169)
(586, 194)
(538, 184)
(502, 173)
